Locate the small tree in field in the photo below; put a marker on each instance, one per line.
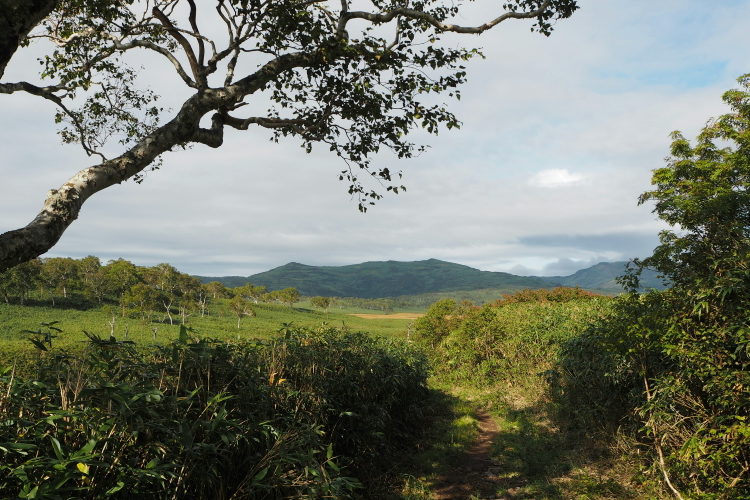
(251, 292)
(322, 302)
(217, 290)
(60, 274)
(241, 307)
(121, 275)
(289, 296)
(143, 299)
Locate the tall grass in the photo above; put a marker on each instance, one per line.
(296, 416)
(219, 323)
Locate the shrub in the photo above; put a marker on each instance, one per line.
(367, 393)
(558, 294)
(201, 418)
(514, 342)
(684, 355)
(441, 318)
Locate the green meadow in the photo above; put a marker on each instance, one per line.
(16, 321)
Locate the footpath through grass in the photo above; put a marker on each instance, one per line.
(531, 456)
(535, 453)
(491, 363)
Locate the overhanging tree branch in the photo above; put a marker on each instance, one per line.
(195, 66)
(63, 205)
(266, 122)
(48, 93)
(386, 17)
(354, 94)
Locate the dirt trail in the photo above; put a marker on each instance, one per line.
(471, 476)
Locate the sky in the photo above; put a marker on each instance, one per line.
(559, 138)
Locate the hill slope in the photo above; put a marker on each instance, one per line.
(392, 278)
(602, 276)
(388, 279)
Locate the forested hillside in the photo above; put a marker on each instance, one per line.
(387, 279)
(603, 276)
(392, 279)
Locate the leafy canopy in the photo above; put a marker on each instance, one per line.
(357, 82)
(704, 192)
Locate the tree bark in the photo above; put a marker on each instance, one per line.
(62, 205)
(17, 19)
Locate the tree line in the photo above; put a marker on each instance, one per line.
(134, 290)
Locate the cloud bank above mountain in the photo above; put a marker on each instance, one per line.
(558, 139)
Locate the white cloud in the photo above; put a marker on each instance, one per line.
(584, 100)
(554, 178)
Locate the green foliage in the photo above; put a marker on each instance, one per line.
(18, 281)
(559, 294)
(477, 339)
(322, 302)
(201, 418)
(248, 291)
(676, 364)
(516, 341)
(240, 306)
(370, 391)
(439, 320)
(389, 279)
(602, 368)
(355, 95)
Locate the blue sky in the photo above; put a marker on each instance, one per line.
(559, 137)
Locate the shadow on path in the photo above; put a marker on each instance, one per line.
(469, 476)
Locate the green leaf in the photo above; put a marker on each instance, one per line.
(57, 448)
(260, 475)
(183, 334)
(120, 485)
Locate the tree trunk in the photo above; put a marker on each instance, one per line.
(167, 307)
(17, 19)
(63, 205)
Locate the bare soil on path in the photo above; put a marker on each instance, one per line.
(472, 475)
(389, 316)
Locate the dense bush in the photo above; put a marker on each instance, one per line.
(602, 369)
(512, 341)
(207, 419)
(441, 318)
(674, 380)
(676, 364)
(558, 294)
(368, 393)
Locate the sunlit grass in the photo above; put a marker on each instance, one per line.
(219, 323)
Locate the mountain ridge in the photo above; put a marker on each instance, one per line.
(378, 279)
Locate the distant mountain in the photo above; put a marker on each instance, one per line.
(229, 281)
(602, 276)
(388, 279)
(392, 278)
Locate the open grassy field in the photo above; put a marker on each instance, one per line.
(220, 323)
